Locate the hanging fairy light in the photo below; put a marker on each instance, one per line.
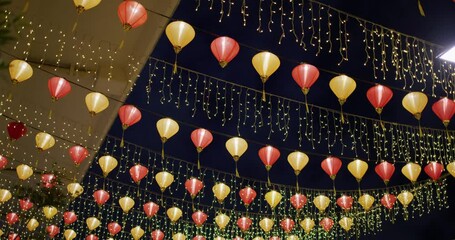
(201, 138)
(342, 86)
(236, 146)
(167, 128)
(415, 102)
(265, 64)
(179, 34)
(129, 115)
(305, 75)
(298, 160)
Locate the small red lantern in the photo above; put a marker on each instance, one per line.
(101, 197)
(114, 228)
(224, 49)
(129, 115)
(201, 138)
(385, 171)
(69, 217)
(78, 154)
(434, 170)
(388, 200)
(150, 209)
(268, 155)
(131, 14)
(247, 195)
(16, 130)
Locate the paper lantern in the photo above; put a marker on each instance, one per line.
(287, 225)
(82, 5)
(129, 115)
(244, 223)
(74, 189)
(266, 224)
(48, 180)
(379, 96)
(346, 223)
(199, 237)
(222, 220)
(137, 233)
(49, 211)
(305, 75)
(138, 172)
(91, 237)
(411, 171)
(164, 180)
(331, 166)
(450, 168)
(178, 236)
(385, 171)
(292, 237)
(273, 198)
(58, 87)
(179, 34)
(268, 155)
(69, 217)
(265, 64)
(24, 171)
(201, 138)
(219, 238)
(131, 14)
(199, 218)
(434, 170)
(114, 228)
(16, 130)
(126, 203)
(12, 236)
(44, 141)
(5, 195)
(342, 86)
(92, 223)
(415, 102)
(3, 162)
(20, 71)
(12, 218)
(221, 191)
(150, 209)
(96, 103)
(52, 230)
(405, 198)
(193, 186)
(101, 197)
(345, 202)
(326, 223)
(167, 128)
(107, 164)
(236, 146)
(444, 108)
(247, 195)
(25, 204)
(388, 200)
(298, 160)
(321, 202)
(157, 235)
(224, 49)
(78, 154)
(358, 168)
(298, 201)
(366, 201)
(174, 214)
(69, 234)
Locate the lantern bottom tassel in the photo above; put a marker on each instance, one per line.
(198, 161)
(268, 179)
(50, 113)
(174, 69)
(27, 4)
(236, 170)
(306, 104)
(122, 142)
(342, 115)
(263, 92)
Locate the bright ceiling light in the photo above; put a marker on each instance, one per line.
(448, 55)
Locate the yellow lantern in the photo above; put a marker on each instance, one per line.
(50, 211)
(32, 224)
(219, 238)
(5, 195)
(82, 5)
(265, 64)
(292, 237)
(24, 171)
(346, 223)
(126, 203)
(307, 224)
(167, 128)
(174, 214)
(44, 141)
(1, 233)
(415, 102)
(411, 171)
(20, 71)
(137, 232)
(178, 236)
(179, 34)
(297, 160)
(266, 224)
(451, 168)
(222, 220)
(96, 102)
(236, 146)
(358, 168)
(258, 238)
(75, 189)
(221, 191)
(273, 198)
(342, 86)
(92, 223)
(69, 234)
(405, 198)
(107, 164)
(321, 202)
(366, 201)
(164, 180)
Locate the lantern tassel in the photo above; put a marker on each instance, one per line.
(174, 70)
(27, 4)
(341, 113)
(137, 192)
(334, 189)
(73, 30)
(382, 123)
(50, 113)
(420, 130)
(192, 205)
(162, 150)
(263, 91)
(306, 104)
(122, 142)
(297, 182)
(421, 11)
(268, 178)
(198, 161)
(358, 185)
(447, 133)
(236, 170)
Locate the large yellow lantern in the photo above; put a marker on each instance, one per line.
(167, 128)
(107, 164)
(236, 146)
(92, 223)
(346, 223)
(342, 86)
(20, 71)
(265, 64)
(273, 198)
(69, 234)
(44, 141)
(5, 195)
(96, 102)
(266, 224)
(415, 102)
(164, 180)
(82, 5)
(405, 198)
(174, 214)
(451, 168)
(321, 202)
(298, 160)
(222, 220)
(50, 211)
(137, 232)
(74, 189)
(126, 203)
(221, 191)
(32, 224)
(24, 171)
(179, 34)
(366, 201)
(307, 224)
(411, 171)
(358, 168)
(178, 236)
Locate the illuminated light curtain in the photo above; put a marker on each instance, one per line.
(342, 86)
(236, 146)
(179, 34)
(265, 64)
(415, 102)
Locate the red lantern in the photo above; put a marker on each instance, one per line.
(385, 171)
(287, 225)
(331, 166)
(12, 218)
(129, 115)
(52, 230)
(326, 223)
(69, 217)
(48, 180)
(244, 223)
(3, 162)
(138, 172)
(298, 201)
(14, 236)
(201, 138)
(157, 235)
(25, 204)
(78, 154)
(199, 237)
(434, 170)
(114, 228)
(16, 130)
(224, 49)
(274, 238)
(379, 96)
(131, 14)
(444, 108)
(388, 200)
(199, 218)
(193, 186)
(345, 202)
(247, 195)
(268, 155)
(150, 209)
(91, 237)
(58, 87)
(101, 197)
(305, 75)
(237, 238)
